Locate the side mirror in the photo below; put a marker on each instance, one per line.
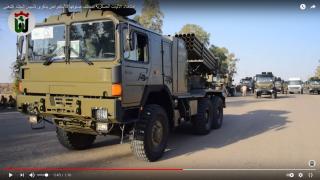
(20, 44)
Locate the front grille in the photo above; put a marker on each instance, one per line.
(62, 101)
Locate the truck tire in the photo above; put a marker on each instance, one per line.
(150, 134)
(75, 141)
(203, 120)
(256, 95)
(274, 95)
(217, 112)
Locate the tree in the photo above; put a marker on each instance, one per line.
(201, 34)
(151, 16)
(227, 62)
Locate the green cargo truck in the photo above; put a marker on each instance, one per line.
(96, 72)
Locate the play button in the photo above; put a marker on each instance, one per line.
(10, 175)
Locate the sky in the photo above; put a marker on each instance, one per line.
(277, 37)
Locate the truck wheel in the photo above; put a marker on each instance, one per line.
(256, 95)
(150, 134)
(217, 119)
(274, 95)
(203, 120)
(76, 141)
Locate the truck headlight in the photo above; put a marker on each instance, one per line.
(100, 114)
(33, 119)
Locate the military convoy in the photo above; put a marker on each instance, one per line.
(96, 72)
(264, 84)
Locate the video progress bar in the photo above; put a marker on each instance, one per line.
(191, 169)
(143, 169)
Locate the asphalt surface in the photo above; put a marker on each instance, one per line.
(278, 135)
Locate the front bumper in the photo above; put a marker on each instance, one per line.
(294, 90)
(264, 91)
(314, 90)
(68, 106)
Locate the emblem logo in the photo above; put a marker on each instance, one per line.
(21, 22)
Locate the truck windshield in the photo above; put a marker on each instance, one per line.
(47, 42)
(297, 82)
(92, 40)
(264, 79)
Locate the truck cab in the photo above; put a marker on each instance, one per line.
(248, 81)
(279, 84)
(295, 85)
(264, 84)
(313, 85)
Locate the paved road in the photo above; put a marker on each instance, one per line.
(257, 133)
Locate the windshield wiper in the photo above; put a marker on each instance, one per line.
(84, 59)
(49, 57)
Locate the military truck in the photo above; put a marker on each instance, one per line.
(247, 81)
(97, 72)
(313, 85)
(265, 85)
(224, 83)
(279, 85)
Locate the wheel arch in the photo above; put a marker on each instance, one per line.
(161, 95)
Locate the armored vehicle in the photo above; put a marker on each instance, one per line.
(96, 72)
(313, 85)
(265, 85)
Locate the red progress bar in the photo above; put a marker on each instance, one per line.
(91, 169)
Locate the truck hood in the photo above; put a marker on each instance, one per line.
(264, 85)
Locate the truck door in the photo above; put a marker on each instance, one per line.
(135, 67)
(167, 64)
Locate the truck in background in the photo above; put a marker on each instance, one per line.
(279, 83)
(295, 85)
(247, 81)
(264, 85)
(313, 85)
